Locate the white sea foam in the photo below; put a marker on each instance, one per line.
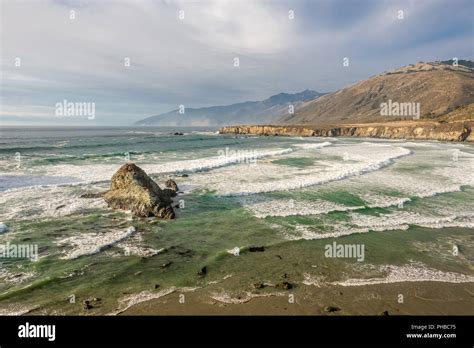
(428, 173)
(15, 277)
(266, 177)
(414, 272)
(135, 246)
(15, 309)
(263, 208)
(44, 202)
(92, 243)
(309, 146)
(309, 279)
(383, 201)
(98, 173)
(226, 297)
(234, 251)
(361, 223)
(134, 299)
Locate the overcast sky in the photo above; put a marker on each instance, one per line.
(190, 61)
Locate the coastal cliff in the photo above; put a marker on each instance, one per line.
(452, 131)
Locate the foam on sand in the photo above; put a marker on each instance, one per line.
(15, 309)
(228, 298)
(134, 299)
(414, 272)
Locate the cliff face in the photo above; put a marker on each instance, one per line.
(269, 130)
(453, 131)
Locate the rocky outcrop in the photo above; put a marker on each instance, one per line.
(449, 131)
(171, 184)
(132, 189)
(269, 130)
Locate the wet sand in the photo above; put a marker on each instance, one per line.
(419, 298)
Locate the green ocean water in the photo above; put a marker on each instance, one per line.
(228, 204)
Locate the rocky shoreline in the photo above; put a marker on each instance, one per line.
(459, 131)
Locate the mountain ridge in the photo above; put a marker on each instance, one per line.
(264, 111)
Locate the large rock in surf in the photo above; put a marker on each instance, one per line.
(170, 183)
(132, 189)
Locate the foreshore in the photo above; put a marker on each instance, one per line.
(417, 298)
(459, 131)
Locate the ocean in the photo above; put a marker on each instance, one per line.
(407, 204)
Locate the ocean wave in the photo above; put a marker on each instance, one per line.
(30, 202)
(383, 201)
(8, 182)
(313, 145)
(360, 223)
(262, 207)
(92, 243)
(266, 178)
(414, 272)
(103, 172)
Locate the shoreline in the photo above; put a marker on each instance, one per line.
(458, 131)
(419, 298)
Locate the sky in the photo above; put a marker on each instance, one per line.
(133, 59)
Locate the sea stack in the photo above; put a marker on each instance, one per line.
(132, 189)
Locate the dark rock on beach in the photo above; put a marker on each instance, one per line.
(284, 285)
(330, 309)
(202, 272)
(86, 305)
(132, 189)
(166, 264)
(259, 285)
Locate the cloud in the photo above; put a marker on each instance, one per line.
(190, 61)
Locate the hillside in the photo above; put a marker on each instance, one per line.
(438, 87)
(250, 112)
